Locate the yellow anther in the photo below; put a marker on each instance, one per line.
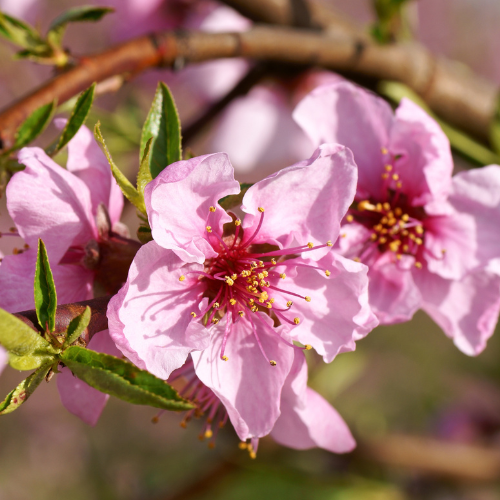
(385, 176)
(261, 263)
(310, 245)
(412, 236)
(208, 433)
(418, 241)
(272, 362)
(254, 309)
(245, 274)
(215, 320)
(273, 262)
(384, 231)
(193, 314)
(289, 303)
(263, 283)
(404, 232)
(405, 248)
(241, 313)
(234, 277)
(330, 244)
(271, 300)
(349, 218)
(252, 454)
(232, 302)
(242, 446)
(386, 206)
(237, 222)
(384, 151)
(282, 276)
(209, 229)
(212, 209)
(373, 236)
(260, 209)
(308, 299)
(255, 283)
(419, 230)
(443, 251)
(394, 245)
(265, 273)
(296, 320)
(260, 276)
(224, 358)
(343, 235)
(365, 205)
(308, 347)
(229, 281)
(327, 272)
(382, 240)
(399, 256)
(405, 217)
(269, 305)
(378, 227)
(418, 265)
(182, 278)
(384, 220)
(216, 305)
(356, 259)
(399, 185)
(397, 211)
(378, 206)
(388, 168)
(395, 177)
(251, 301)
(391, 222)
(253, 264)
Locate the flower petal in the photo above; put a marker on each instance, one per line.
(466, 310)
(150, 319)
(178, 202)
(307, 420)
(79, 398)
(346, 114)
(248, 386)
(338, 313)
(65, 216)
(4, 359)
(306, 201)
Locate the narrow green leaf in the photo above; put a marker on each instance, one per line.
(144, 175)
(234, 200)
(23, 391)
(125, 185)
(79, 14)
(18, 32)
(45, 290)
(27, 349)
(144, 234)
(77, 326)
(122, 379)
(34, 125)
(164, 126)
(77, 118)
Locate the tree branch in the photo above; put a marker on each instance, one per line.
(461, 99)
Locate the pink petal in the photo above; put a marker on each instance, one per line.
(79, 398)
(248, 386)
(306, 201)
(65, 216)
(466, 310)
(307, 420)
(178, 203)
(346, 114)
(4, 359)
(150, 318)
(87, 161)
(394, 296)
(426, 165)
(338, 313)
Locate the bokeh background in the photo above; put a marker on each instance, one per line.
(405, 385)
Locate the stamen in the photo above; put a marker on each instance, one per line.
(212, 209)
(182, 278)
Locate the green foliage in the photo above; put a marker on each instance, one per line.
(130, 192)
(122, 379)
(144, 234)
(77, 326)
(23, 391)
(390, 24)
(45, 290)
(164, 127)
(18, 32)
(144, 175)
(77, 118)
(34, 125)
(27, 349)
(234, 200)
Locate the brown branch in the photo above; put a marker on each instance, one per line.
(463, 100)
(67, 312)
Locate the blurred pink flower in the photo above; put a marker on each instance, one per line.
(425, 236)
(201, 287)
(61, 206)
(4, 359)
(306, 420)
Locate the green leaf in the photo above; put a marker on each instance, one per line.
(18, 32)
(164, 126)
(144, 175)
(125, 185)
(77, 326)
(34, 125)
(45, 290)
(23, 391)
(27, 349)
(234, 200)
(144, 234)
(77, 118)
(77, 14)
(122, 379)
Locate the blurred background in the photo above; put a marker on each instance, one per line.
(426, 417)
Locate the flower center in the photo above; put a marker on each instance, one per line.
(241, 282)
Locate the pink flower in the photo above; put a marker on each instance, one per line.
(425, 236)
(69, 210)
(236, 294)
(306, 419)
(4, 359)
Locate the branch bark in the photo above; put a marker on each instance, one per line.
(461, 99)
